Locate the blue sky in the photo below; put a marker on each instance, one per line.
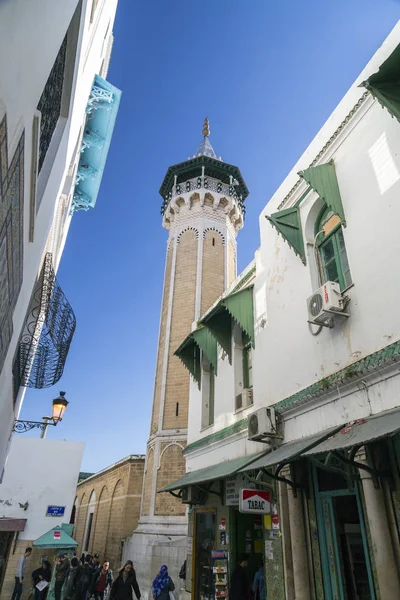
(267, 74)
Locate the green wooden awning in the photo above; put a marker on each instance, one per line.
(189, 352)
(237, 306)
(288, 224)
(385, 84)
(324, 182)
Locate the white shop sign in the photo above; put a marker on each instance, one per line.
(233, 485)
(257, 502)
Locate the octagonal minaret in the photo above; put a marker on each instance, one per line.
(202, 210)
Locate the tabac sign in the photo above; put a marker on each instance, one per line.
(255, 501)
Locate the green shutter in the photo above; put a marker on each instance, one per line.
(385, 84)
(240, 306)
(208, 345)
(189, 353)
(323, 180)
(288, 224)
(219, 322)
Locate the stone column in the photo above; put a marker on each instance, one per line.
(286, 543)
(388, 580)
(299, 546)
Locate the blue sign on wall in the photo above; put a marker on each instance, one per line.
(55, 511)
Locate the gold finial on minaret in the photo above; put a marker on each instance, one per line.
(206, 128)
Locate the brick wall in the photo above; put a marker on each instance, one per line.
(148, 479)
(116, 511)
(161, 342)
(231, 262)
(172, 467)
(213, 270)
(177, 388)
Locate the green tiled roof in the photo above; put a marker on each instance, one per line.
(83, 476)
(217, 436)
(357, 369)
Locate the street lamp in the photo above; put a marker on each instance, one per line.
(59, 405)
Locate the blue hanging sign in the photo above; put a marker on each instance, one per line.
(55, 511)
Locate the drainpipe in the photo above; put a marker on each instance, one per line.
(299, 546)
(382, 549)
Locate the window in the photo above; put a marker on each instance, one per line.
(247, 367)
(334, 265)
(208, 392)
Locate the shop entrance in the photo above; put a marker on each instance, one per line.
(6, 538)
(346, 565)
(249, 539)
(204, 537)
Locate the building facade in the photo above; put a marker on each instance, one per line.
(40, 480)
(57, 114)
(306, 348)
(107, 509)
(202, 211)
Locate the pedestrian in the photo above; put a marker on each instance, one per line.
(19, 574)
(70, 582)
(239, 588)
(84, 579)
(102, 581)
(125, 584)
(95, 561)
(162, 585)
(62, 565)
(40, 577)
(259, 583)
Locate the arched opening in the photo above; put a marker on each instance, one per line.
(333, 263)
(89, 521)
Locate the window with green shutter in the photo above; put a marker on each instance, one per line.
(334, 264)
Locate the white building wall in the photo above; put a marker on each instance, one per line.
(287, 358)
(30, 37)
(43, 473)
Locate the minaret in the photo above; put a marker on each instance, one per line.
(202, 210)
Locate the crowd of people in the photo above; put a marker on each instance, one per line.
(86, 578)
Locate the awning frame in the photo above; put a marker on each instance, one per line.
(220, 494)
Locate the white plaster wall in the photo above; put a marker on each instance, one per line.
(287, 358)
(43, 473)
(30, 37)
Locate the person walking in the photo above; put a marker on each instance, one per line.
(41, 576)
(259, 583)
(19, 574)
(162, 585)
(70, 582)
(84, 579)
(239, 588)
(95, 562)
(62, 565)
(102, 581)
(125, 584)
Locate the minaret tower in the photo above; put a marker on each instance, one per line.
(202, 210)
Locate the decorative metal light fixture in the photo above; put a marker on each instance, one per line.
(59, 405)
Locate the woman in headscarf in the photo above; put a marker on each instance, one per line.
(125, 584)
(162, 585)
(42, 574)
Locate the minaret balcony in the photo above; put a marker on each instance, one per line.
(206, 184)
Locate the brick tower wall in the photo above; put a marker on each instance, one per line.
(213, 270)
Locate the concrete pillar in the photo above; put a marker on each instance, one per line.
(299, 546)
(386, 570)
(286, 542)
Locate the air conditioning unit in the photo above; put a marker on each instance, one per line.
(244, 399)
(192, 495)
(325, 302)
(262, 424)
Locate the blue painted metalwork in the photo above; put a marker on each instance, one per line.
(102, 109)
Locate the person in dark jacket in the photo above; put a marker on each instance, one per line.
(239, 587)
(84, 579)
(162, 585)
(70, 582)
(42, 574)
(125, 584)
(62, 565)
(102, 581)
